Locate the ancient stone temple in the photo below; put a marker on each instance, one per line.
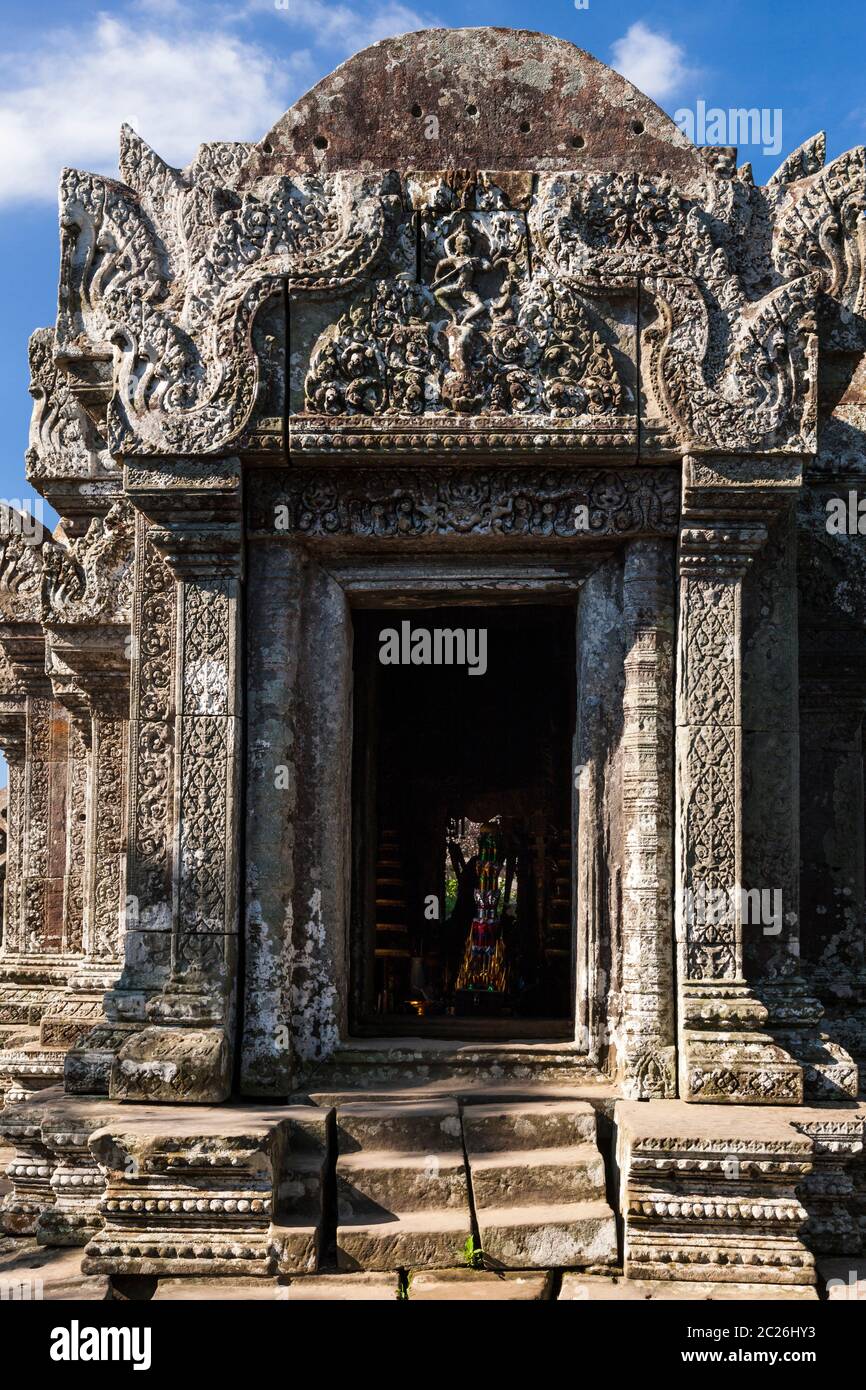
(434, 729)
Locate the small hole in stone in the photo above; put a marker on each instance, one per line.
(638, 127)
(416, 110)
(471, 110)
(525, 127)
(268, 147)
(320, 142)
(577, 142)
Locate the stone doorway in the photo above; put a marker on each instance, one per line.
(464, 735)
(354, 546)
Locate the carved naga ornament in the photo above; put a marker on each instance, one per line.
(567, 310)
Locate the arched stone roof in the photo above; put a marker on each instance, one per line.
(475, 98)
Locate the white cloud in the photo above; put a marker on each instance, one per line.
(654, 63)
(352, 27)
(178, 71)
(64, 102)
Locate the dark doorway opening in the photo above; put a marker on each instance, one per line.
(462, 821)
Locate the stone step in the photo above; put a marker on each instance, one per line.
(412, 1240)
(419, 1062)
(600, 1288)
(528, 1125)
(300, 1188)
(218, 1291)
(314, 1288)
(402, 1127)
(530, 1176)
(342, 1288)
(307, 1128)
(548, 1235)
(479, 1286)
(371, 1184)
(294, 1245)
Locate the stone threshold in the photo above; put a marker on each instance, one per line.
(368, 1063)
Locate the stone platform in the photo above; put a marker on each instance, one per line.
(258, 1197)
(742, 1195)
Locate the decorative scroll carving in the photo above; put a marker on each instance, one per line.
(478, 298)
(91, 580)
(724, 372)
(173, 291)
(207, 751)
(818, 229)
(12, 897)
(63, 442)
(109, 749)
(37, 794)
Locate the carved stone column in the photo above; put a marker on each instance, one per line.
(13, 734)
(649, 1063)
(89, 666)
(185, 1052)
(41, 931)
(38, 953)
(724, 1053)
(150, 798)
(17, 1003)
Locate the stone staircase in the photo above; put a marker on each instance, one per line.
(538, 1185)
(402, 1190)
(416, 1178)
(297, 1228)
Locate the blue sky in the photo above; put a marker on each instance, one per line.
(184, 72)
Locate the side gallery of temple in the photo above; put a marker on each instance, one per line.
(436, 830)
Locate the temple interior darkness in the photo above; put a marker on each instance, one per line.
(441, 753)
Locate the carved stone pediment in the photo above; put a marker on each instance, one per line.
(579, 311)
(530, 309)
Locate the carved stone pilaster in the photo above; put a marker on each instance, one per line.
(13, 735)
(185, 1051)
(36, 950)
(150, 800)
(725, 1054)
(87, 617)
(649, 1061)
